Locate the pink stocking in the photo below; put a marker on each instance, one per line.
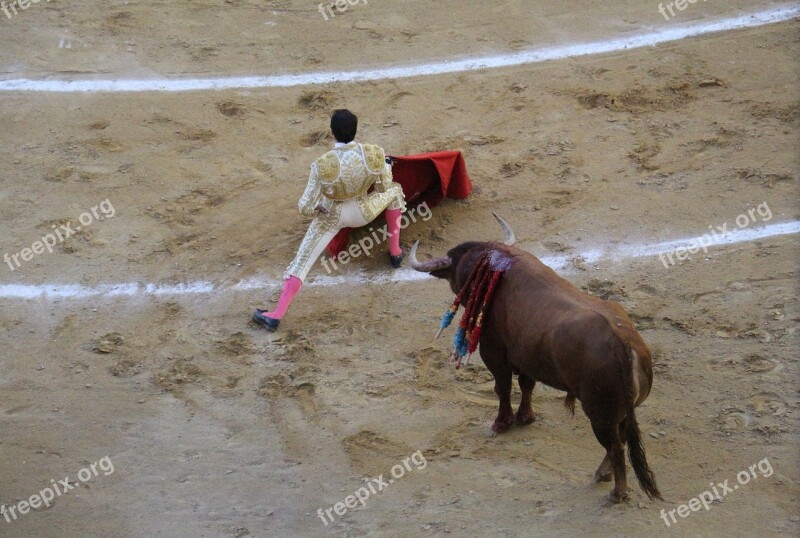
(290, 288)
(393, 222)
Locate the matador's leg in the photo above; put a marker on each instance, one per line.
(319, 234)
(392, 201)
(393, 223)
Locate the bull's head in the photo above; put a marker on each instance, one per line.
(459, 259)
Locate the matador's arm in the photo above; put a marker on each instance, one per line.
(386, 179)
(312, 196)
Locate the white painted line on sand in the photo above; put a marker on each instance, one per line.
(673, 32)
(563, 263)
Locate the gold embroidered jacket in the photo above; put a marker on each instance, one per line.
(348, 172)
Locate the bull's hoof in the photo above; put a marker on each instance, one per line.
(603, 477)
(616, 497)
(523, 419)
(501, 425)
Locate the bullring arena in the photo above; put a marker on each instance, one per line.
(137, 398)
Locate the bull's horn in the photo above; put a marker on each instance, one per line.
(510, 237)
(432, 265)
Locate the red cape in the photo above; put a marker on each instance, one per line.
(426, 178)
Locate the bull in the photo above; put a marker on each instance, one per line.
(542, 328)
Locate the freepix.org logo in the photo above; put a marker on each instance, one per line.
(10, 8)
(56, 489)
(60, 233)
(742, 221)
(375, 238)
(679, 4)
(340, 5)
(717, 492)
(373, 486)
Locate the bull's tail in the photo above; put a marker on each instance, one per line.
(633, 436)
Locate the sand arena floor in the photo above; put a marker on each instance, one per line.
(132, 340)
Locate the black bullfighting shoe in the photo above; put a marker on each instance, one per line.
(265, 321)
(396, 261)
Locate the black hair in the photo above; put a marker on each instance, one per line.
(344, 125)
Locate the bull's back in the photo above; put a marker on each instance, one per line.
(543, 285)
(552, 328)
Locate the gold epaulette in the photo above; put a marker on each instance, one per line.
(375, 158)
(328, 166)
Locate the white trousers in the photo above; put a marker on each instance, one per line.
(321, 231)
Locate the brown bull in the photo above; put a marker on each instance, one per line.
(542, 328)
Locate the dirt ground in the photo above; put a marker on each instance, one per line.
(217, 428)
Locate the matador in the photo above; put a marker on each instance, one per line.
(338, 196)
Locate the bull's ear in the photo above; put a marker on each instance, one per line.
(509, 233)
